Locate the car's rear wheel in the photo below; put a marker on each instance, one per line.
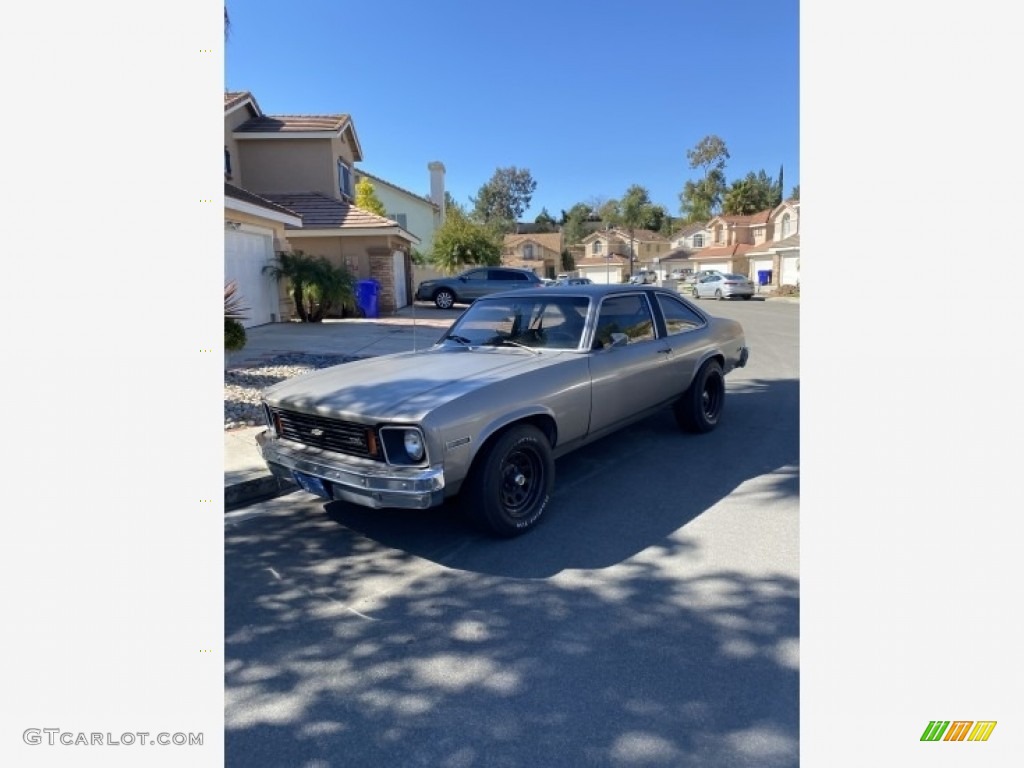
(700, 407)
(510, 483)
(444, 299)
(747, 297)
(718, 294)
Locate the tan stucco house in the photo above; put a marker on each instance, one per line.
(540, 252)
(304, 164)
(779, 251)
(421, 215)
(647, 247)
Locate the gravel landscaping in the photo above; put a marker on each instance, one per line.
(243, 385)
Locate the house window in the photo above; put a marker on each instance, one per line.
(528, 251)
(785, 226)
(400, 218)
(227, 162)
(345, 180)
(596, 248)
(718, 233)
(698, 241)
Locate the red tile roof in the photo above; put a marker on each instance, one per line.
(234, 98)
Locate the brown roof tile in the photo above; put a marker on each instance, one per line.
(550, 240)
(234, 98)
(237, 193)
(319, 211)
(293, 123)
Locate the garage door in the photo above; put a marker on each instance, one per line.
(718, 266)
(790, 270)
(757, 266)
(245, 255)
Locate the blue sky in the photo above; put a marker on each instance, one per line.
(591, 97)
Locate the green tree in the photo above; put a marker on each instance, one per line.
(505, 196)
(316, 285)
(366, 198)
(755, 192)
(461, 242)
(574, 223)
(795, 193)
(634, 211)
(547, 221)
(701, 199)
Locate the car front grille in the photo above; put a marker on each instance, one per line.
(328, 434)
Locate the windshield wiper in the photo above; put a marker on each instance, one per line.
(500, 341)
(459, 339)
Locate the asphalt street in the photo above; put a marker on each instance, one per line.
(652, 619)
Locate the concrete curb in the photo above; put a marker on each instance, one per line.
(250, 491)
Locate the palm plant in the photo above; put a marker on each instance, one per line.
(234, 313)
(316, 285)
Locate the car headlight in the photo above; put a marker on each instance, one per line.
(403, 446)
(413, 441)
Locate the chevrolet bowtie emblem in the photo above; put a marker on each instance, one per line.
(316, 432)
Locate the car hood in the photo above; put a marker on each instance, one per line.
(404, 386)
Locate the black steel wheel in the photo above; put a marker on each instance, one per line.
(511, 481)
(700, 407)
(444, 299)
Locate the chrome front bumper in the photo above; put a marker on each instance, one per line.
(357, 481)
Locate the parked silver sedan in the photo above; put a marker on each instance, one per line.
(723, 286)
(521, 378)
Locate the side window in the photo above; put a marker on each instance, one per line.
(679, 318)
(501, 274)
(630, 315)
(477, 274)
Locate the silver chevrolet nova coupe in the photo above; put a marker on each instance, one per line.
(518, 380)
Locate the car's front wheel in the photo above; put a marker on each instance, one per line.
(695, 294)
(510, 484)
(700, 407)
(718, 294)
(444, 299)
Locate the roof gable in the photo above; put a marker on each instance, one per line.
(419, 198)
(301, 127)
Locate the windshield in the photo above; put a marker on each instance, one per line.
(533, 322)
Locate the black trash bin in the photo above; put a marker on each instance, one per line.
(764, 277)
(366, 297)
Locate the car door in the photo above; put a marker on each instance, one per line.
(709, 285)
(629, 378)
(474, 284)
(688, 338)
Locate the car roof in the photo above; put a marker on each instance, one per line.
(592, 290)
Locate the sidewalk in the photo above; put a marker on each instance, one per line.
(246, 477)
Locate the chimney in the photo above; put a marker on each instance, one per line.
(437, 185)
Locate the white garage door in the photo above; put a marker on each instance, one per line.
(790, 270)
(245, 255)
(756, 266)
(718, 266)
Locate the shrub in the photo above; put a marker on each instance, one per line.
(234, 335)
(788, 290)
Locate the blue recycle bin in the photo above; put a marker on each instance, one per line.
(764, 277)
(366, 297)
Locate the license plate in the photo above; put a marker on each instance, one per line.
(311, 484)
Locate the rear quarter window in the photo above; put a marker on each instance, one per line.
(679, 318)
